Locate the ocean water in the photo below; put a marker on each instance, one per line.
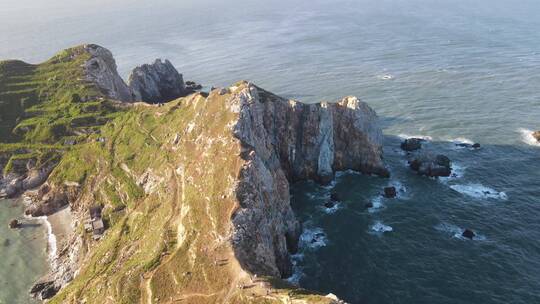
(23, 254)
(449, 70)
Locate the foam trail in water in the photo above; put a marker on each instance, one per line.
(479, 191)
(457, 232)
(334, 208)
(379, 227)
(527, 137)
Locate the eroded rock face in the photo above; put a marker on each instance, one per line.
(101, 70)
(156, 82)
(285, 141)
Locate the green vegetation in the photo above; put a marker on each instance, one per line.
(46, 108)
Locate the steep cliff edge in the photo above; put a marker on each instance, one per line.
(194, 193)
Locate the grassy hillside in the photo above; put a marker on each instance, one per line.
(47, 107)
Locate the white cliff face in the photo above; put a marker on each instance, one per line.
(101, 70)
(157, 82)
(283, 141)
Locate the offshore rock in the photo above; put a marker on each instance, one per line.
(157, 82)
(536, 135)
(412, 144)
(101, 70)
(431, 165)
(284, 141)
(390, 192)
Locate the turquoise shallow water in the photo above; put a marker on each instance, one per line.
(450, 70)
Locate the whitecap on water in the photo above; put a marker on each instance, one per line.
(457, 232)
(479, 191)
(313, 238)
(333, 209)
(297, 274)
(385, 77)
(380, 227)
(377, 204)
(527, 137)
(407, 136)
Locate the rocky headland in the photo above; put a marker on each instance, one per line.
(193, 194)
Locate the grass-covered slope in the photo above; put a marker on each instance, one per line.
(167, 177)
(45, 108)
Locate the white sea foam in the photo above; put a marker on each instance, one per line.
(527, 137)
(458, 171)
(385, 77)
(332, 210)
(377, 204)
(51, 241)
(407, 136)
(457, 232)
(479, 191)
(380, 227)
(297, 274)
(313, 238)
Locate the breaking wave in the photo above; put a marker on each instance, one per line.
(479, 191)
(527, 137)
(379, 227)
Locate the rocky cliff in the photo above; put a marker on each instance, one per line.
(284, 141)
(194, 193)
(100, 69)
(157, 82)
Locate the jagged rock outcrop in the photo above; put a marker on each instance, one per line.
(431, 165)
(101, 70)
(156, 82)
(25, 175)
(284, 141)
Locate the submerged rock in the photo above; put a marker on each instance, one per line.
(13, 224)
(468, 234)
(329, 204)
(368, 205)
(156, 83)
(334, 196)
(431, 165)
(412, 144)
(390, 192)
(466, 145)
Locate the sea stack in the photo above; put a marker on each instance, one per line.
(156, 83)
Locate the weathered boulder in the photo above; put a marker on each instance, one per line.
(390, 192)
(48, 203)
(284, 141)
(157, 82)
(536, 135)
(468, 234)
(431, 165)
(412, 144)
(101, 70)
